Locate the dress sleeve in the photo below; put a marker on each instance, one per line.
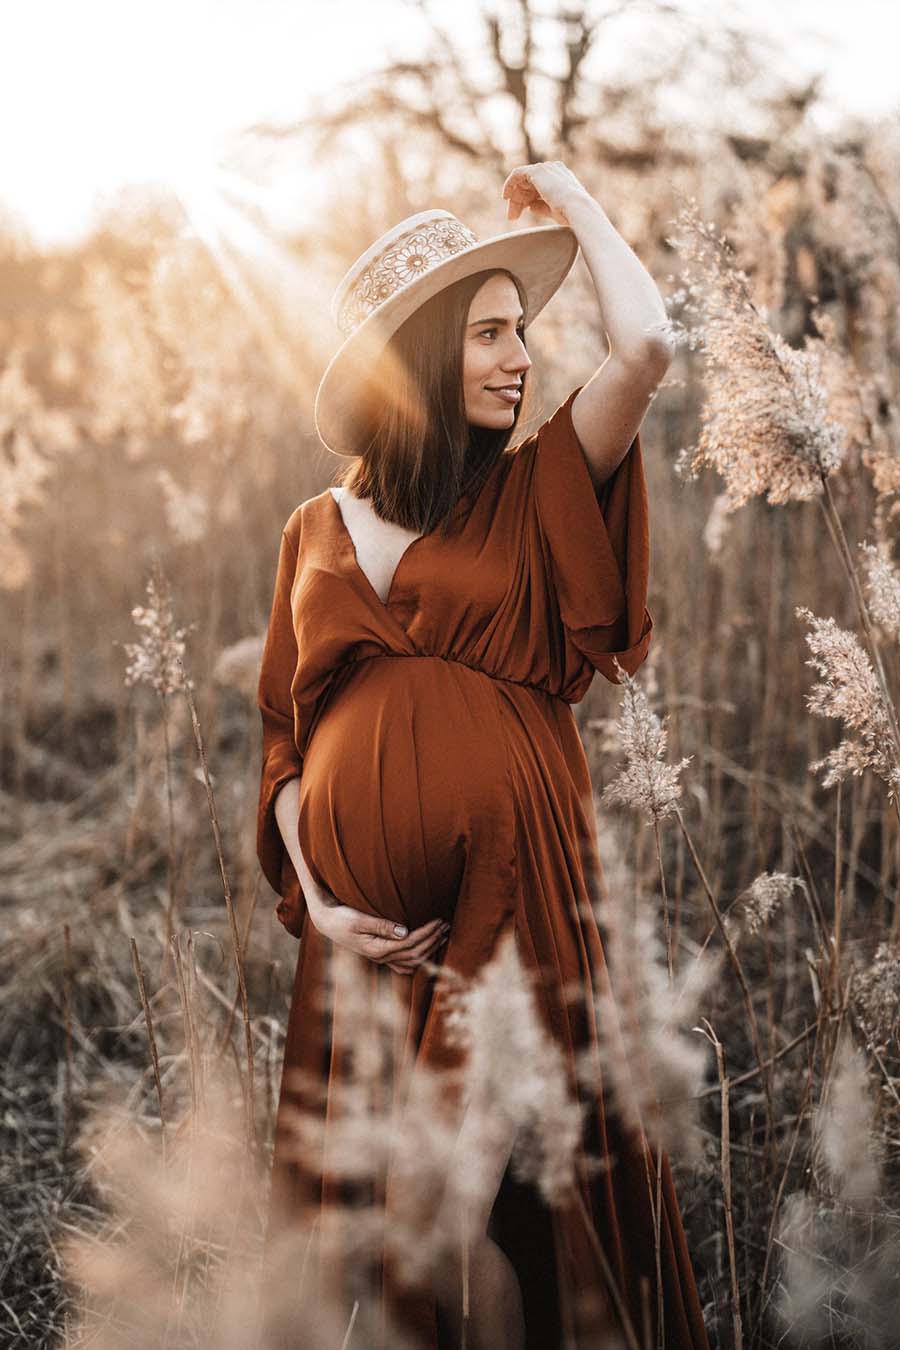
(598, 541)
(281, 759)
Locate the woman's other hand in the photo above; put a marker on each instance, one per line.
(542, 188)
(373, 937)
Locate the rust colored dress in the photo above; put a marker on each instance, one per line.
(442, 772)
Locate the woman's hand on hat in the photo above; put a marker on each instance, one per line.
(543, 188)
(374, 937)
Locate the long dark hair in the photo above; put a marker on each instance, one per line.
(420, 454)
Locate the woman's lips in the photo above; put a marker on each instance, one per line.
(507, 395)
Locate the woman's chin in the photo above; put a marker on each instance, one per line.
(494, 417)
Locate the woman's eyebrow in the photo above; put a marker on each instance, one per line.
(497, 319)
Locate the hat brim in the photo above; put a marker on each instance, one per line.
(540, 256)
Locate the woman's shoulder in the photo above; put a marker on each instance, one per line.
(307, 515)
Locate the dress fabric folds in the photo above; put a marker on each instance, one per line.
(441, 772)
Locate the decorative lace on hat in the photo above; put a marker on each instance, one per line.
(401, 262)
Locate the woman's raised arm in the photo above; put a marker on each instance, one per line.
(612, 404)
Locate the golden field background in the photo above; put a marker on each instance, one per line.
(156, 393)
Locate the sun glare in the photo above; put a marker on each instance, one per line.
(237, 219)
(140, 94)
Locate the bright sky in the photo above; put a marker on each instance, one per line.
(103, 93)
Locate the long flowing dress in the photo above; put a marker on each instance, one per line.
(442, 772)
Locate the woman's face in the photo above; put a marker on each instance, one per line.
(494, 354)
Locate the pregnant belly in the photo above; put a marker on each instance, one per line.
(404, 775)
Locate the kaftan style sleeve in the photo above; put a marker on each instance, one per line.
(598, 544)
(281, 759)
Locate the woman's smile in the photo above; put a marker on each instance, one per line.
(507, 393)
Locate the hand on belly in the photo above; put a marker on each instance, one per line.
(377, 938)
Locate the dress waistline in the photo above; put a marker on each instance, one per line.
(479, 670)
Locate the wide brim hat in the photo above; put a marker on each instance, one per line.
(402, 269)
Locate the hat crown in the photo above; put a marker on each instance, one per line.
(396, 260)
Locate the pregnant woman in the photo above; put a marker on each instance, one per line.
(425, 792)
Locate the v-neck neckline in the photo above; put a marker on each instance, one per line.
(354, 558)
(465, 500)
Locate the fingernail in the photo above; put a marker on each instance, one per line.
(400, 930)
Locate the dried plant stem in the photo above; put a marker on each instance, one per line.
(346, 1341)
(252, 1140)
(654, 1115)
(655, 1202)
(665, 900)
(811, 894)
(657, 1242)
(615, 1293)
(170, 860)
(832, 1026)
(739, 972)
(466, 1302)
(232, 1011)
(725, 1138)
(67, 1015)
(185, 1240)
(189, 1029)
(197, 1016)
(776, 1204)
(566, 1311)
(151, 1037)
(834, 946)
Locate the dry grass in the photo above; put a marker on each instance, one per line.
(752, 935)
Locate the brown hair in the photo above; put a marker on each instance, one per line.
(420, 454)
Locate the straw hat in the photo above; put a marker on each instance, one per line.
(405, 267)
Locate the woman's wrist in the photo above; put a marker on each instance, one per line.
(581, 208)
(317, 898)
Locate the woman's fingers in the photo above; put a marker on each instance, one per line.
(541, 188)
(419, 937)
(412, 959)
(385, 930)
(517, 203)
(383, 946)
(518, 180)
(410, 967)
(428, 943)
(521, 192)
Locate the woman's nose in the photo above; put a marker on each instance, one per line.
(520, 362)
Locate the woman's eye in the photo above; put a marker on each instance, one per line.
(520, 331)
